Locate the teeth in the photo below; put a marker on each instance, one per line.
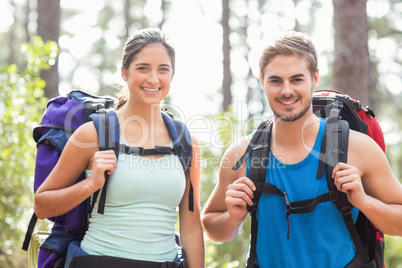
(288, 102)
(151, 89)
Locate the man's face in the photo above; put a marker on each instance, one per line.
(288, 86)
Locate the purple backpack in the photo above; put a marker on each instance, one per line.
(62, 116)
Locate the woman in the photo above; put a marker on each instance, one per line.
(143, 191)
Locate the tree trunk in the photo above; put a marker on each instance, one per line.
(26, 21)
(127, 17)
(11, 59)
(49, 29)
(352, 63)
(164, 9)
(227, 75)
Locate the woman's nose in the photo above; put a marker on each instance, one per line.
(153, 77)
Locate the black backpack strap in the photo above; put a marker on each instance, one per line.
(258, 149)
(108, 129)
(254, 144)
(88, 261)
(337, 151)
(29, 232)
(141, 151)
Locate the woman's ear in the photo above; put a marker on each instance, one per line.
(123, 73)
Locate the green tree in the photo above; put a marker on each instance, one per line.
(21, 106)
(228, 127)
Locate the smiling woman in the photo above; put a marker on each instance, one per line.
(139, 227)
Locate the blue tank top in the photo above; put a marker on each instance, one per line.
(316, 239)
(140, 210)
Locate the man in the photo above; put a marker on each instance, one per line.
(288, 75)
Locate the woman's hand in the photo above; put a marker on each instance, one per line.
(103, 161)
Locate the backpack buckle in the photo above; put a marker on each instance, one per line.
(288, 211)
(346, 210)
(253, 207)
(333, 196)
(338, 105)
(136, 150)
(287, 204)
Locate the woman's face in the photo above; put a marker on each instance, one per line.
(149, 75)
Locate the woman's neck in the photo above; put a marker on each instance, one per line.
(141, 112)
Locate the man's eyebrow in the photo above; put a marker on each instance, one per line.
(274, 77)
(293, 76)
(297, 75)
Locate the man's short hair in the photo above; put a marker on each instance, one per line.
(292, 43)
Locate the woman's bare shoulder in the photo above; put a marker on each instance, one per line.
(85, 137)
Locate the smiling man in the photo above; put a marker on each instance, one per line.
(288, 75)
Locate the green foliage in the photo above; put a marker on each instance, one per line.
(393, 249)
(21, 106)
(228, 128)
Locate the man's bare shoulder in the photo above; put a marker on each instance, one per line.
(363, 151)
(359, 142)
(235, 151)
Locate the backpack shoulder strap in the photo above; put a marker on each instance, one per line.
(257, 173)
(258, 149)
(337, 138)
(181, 139)
(108, 129)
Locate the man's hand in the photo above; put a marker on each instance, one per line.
(238, 195)
(347, 179)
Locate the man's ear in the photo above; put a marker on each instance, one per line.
(316, 78)
(123, 73)
(261, 81)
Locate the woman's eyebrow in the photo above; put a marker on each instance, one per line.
(147, 64)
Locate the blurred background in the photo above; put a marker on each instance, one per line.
(49, 47)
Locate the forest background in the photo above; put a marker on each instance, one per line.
(215, 90)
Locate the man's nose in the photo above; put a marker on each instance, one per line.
(287, 88)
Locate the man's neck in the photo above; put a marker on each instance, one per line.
(295, 134)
